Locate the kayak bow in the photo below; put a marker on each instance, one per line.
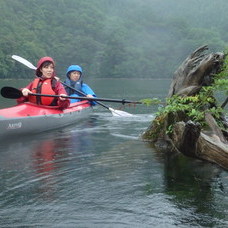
(28, 118)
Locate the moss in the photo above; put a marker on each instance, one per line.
(192, 108)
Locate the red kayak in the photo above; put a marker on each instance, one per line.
(28, 118)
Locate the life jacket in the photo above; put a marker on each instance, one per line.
(76, 85)
(43, 87)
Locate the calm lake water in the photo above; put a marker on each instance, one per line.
(98, 173)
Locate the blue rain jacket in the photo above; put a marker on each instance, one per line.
(85, 89)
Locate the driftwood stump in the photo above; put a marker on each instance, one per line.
(188, 137)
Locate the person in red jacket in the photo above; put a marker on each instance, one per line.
(45, 83)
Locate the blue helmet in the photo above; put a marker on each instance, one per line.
(74, 68)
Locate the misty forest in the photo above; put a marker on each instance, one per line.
(109, 38)
(146, 145)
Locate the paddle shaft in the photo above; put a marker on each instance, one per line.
(88, 98)
(13, 93)
(83, 94)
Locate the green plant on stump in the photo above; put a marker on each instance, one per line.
(184, 108)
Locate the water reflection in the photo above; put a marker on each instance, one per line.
(44, 157)
(53, 158)
(99, 172)
(194, 186)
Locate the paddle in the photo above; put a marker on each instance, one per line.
(13, 93)
(113, 111)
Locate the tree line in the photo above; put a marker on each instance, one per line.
(118, 39)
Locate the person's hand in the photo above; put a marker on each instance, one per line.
(89, 95)
(26, 92)
(62, 97)
(57, 78)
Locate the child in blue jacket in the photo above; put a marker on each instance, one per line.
(74, 85)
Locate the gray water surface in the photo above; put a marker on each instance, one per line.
(98, 173)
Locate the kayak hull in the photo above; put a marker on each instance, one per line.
(30, 118)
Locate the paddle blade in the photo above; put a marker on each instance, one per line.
(24, 61)
(10, 92)
(119, 113)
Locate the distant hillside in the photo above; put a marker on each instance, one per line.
(121, 38)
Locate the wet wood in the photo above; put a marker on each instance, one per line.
(209, 143)
(191, 141)
(197, 70)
